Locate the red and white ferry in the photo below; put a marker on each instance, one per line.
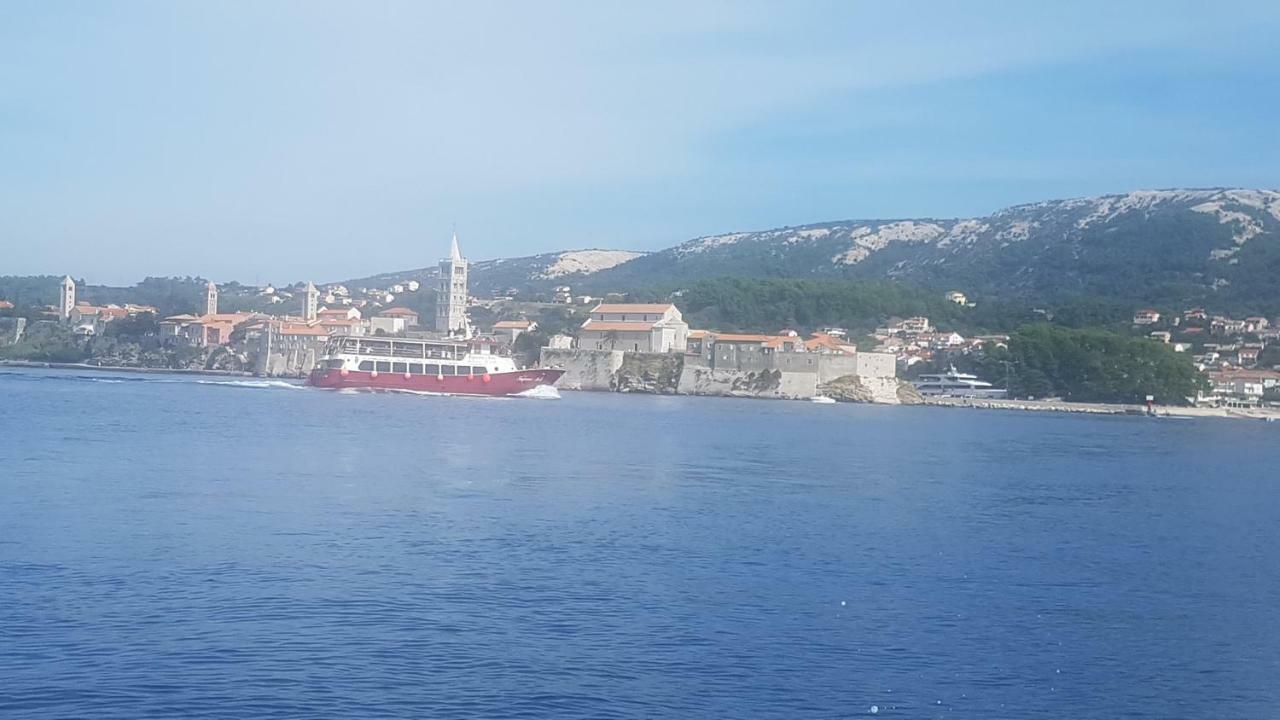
(438, 366)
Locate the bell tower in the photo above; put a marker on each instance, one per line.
(451, 293)
(67, 300)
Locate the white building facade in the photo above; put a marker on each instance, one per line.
(451, 295)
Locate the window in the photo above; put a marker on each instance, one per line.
(334, 364)
(478, 371)
(383, 366)
(446, 369)
(366, 365)
(400, 367)
(433, 369)
(415, 368)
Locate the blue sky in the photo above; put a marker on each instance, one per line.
(276, 141)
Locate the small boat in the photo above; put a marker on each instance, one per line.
(822, 400)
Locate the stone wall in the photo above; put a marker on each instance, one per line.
(697, 379)
(583, 369)
(735, 373)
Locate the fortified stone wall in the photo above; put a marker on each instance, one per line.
(584, 369)
(735, 372)
(697, 379)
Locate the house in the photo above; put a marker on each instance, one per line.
(636, 327)
(410, 316)
(1195, 314)
(344, 313)
(957, 297)
(509, 330)
(6, 305)
(1255, 324)
(563, 295)
(696, 341)
(1163, 336)
(827, 344)
(341, 326)
(1146, 317)
(1247, 356)
(382, 325)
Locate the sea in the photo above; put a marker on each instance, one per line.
(182, 546)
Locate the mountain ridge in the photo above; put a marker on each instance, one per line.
(1183, 244)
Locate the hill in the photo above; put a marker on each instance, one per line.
(1219, 247)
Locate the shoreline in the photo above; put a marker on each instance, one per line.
(1262, 414)
(121, 368)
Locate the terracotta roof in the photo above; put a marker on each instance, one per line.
(5, 305)
(598, 326)
(743, 338)
(398, 312)
(512, 325)
(295, 329)
(698, 334)
(632, 308)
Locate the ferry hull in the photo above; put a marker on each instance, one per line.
(504, 383)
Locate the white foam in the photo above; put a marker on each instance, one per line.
(541, 392)
(254, 384)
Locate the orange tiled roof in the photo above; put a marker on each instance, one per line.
(5, 305)
(598, 326)
(512, 325)
(398, 312)
(632, 308)
(746, 338)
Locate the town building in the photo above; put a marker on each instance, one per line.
(509, 330)
(451, 296)
(410, 317)
(657, 327)
(210, 299)
(1146, 317)
(560, 341)
(957, 297)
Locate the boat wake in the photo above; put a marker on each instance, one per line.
(541, 392)
(253, 384)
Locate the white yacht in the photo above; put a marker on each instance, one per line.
(957, 384)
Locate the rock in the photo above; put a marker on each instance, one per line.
(847, 388)
(908, 395)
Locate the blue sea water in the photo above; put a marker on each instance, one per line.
(204, 547)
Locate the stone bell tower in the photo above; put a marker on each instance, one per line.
(451, 293)
(67, 300)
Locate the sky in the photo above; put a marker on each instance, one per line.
(280, 141)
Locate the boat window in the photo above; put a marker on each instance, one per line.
(400, 367)
(446, 369)
(383, 366)
(478, 371)
(433, 369)
(415, 368)
(366, 365)
(334, 364)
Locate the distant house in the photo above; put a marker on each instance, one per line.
(1163, 336)
(1195, 314)
(6, 305)
(410, 317)
(957, 297)
(343, 313)
(1146, 317)
(509, 330)
(637, 327)
(827, 344)
(1255, 324)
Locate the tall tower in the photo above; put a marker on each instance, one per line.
(67, 301)
(311, 310)
(210, 299)
(451, 293)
